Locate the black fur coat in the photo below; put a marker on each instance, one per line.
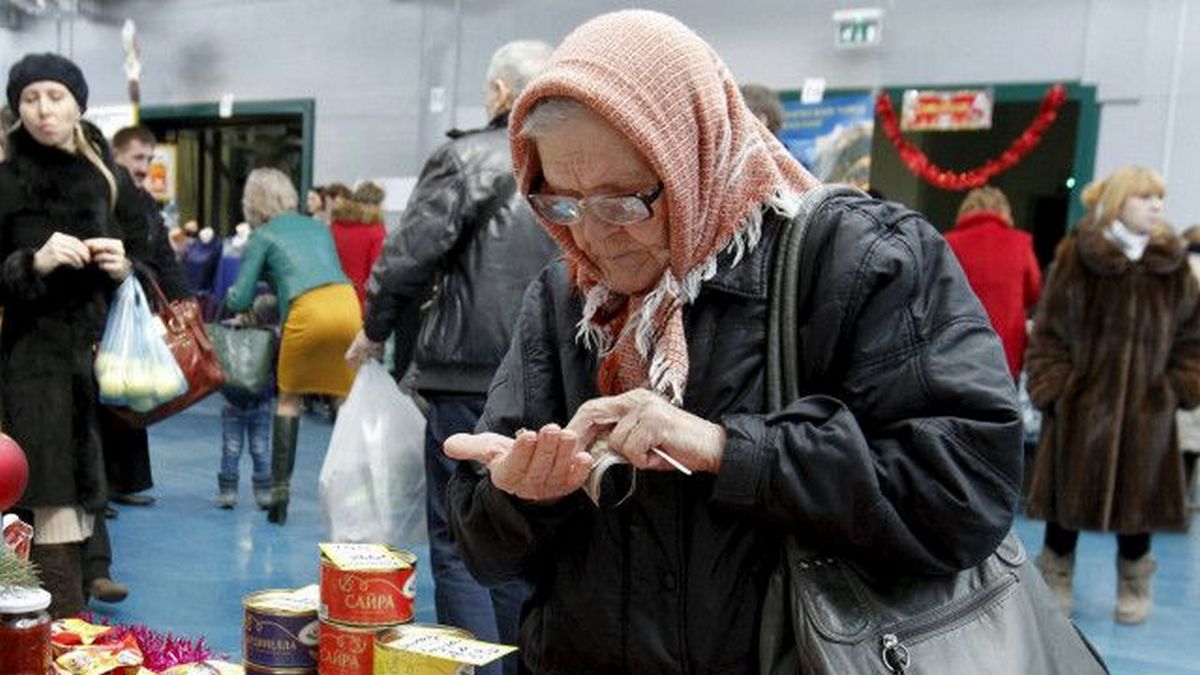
(51, 323)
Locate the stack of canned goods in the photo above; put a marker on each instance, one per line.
(279, 634)
(365, 589)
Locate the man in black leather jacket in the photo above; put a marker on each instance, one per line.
(468, 236)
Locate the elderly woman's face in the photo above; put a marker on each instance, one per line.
(49, 113)
(587, 158)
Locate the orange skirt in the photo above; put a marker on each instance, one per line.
(320, 326)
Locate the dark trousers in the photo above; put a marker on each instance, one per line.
(127, 466)
(126, 455)
(490, 614)
(1063, 541)
(97, 552)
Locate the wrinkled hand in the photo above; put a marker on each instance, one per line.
(538, 467)
(109, 256)
(364, 348)
(60, 249)
(639, 420)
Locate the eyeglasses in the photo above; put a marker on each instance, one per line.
(617, 210)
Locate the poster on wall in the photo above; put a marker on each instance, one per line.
(832, 138)
(962, 110)
(160, 181)
(111, 118)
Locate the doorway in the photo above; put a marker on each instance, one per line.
(214, 153)
(1043, 189)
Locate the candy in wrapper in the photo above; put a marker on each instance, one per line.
(18, 536)
(123, 658)
(66, 634)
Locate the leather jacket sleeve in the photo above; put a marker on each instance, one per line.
(241, 295)
(430, 228)
(908, 444)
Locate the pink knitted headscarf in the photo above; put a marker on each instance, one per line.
(668, 92)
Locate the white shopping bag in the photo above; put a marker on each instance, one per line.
(372, 484)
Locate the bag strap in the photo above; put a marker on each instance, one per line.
(783, 357)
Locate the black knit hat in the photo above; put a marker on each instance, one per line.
(39, 67)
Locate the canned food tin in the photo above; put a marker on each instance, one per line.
(367, 584)
(262, 670)
(346, 650)
(279, 632)
(389, 660)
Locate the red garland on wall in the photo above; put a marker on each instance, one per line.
(1022, 145)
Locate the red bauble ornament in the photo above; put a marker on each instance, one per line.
(14, 472)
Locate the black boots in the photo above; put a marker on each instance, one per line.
(61, 569)
(283, 461)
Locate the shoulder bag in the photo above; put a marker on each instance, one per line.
(826, 615)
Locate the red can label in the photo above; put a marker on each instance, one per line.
(369, 597)
(346, 650)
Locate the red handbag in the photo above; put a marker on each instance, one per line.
(193, 351)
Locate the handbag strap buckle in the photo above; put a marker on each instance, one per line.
(894, 654)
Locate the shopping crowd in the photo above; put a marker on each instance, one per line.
(589, 276)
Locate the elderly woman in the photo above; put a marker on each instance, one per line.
(667, 196)
(318, 309)
(1115, 352)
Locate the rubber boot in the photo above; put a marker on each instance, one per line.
(1059, 573)
(226, 492)
(283, 461)
(60, 567)
(262, 492)
(1134, 588)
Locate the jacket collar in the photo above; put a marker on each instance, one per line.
(23, 146)
(751, 276)
(980, 218)
(1164, 254)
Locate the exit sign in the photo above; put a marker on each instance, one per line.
(857, 28)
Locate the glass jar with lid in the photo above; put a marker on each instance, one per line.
(24, 631)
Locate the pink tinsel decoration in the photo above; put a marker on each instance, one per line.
(159, 651)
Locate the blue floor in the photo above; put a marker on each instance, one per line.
(189, 564)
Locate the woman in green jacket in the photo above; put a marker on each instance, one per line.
(319, 311)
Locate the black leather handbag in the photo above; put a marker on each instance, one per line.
(825, 615)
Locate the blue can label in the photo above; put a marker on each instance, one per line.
(277, 640)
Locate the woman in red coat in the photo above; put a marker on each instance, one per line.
(358, 232)
(1000, 266)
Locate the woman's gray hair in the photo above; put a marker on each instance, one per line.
(268, 193)
(517, 62)
(555, 112)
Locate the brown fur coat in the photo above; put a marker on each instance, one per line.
(1114, 353)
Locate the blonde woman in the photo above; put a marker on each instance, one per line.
(64, 212)
(1115, 352)
(318, 310)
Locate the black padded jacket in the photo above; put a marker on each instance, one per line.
(905, 449)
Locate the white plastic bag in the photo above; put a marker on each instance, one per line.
(134, 367)
(372, 485)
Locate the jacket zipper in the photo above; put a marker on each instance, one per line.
(681, 580)
(894, 644)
